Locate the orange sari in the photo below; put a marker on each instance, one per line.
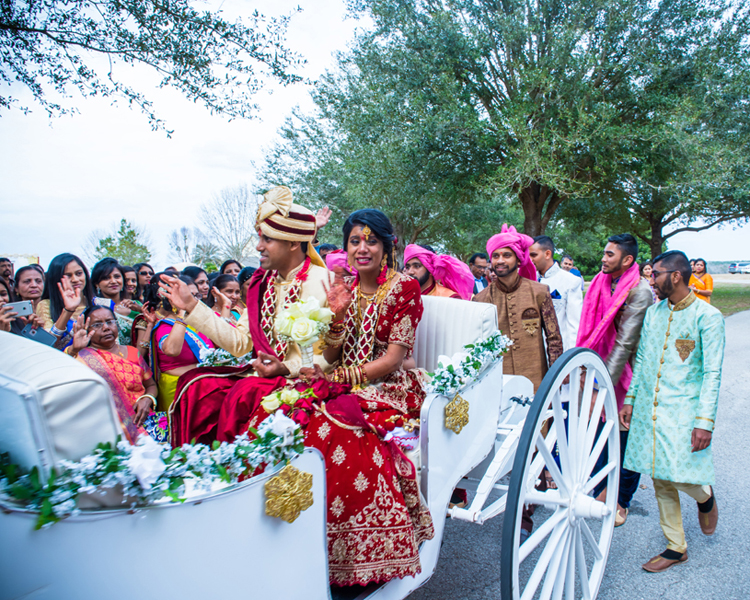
(705, 283)
(125, 378)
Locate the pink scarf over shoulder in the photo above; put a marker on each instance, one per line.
(597, 328)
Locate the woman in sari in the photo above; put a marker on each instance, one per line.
(701, 282)
(108, 280)
(130, 288)
(67, 293)
(224, 298)
(230, 267)
(175, 347)
(200, 277)
(375, 520)
(133, 389)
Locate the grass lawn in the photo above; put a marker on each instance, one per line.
(731, 298)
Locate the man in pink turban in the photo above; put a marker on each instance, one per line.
(524, 307)
(438, 274)
(524, 311)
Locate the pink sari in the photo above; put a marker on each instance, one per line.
(126, 381)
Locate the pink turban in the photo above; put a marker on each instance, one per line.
(520, 244)
(338, 258)
(448, 271)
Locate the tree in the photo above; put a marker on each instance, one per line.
(548, 101)
(128, 244)
(82, 44)
(207, 256)
(182, 243)
(228, 221)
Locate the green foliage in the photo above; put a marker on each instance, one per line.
(126, 245)
(573, 109)
(51, 45)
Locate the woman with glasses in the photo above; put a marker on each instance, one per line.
(175, 347)
(144, 272)
(130, 380)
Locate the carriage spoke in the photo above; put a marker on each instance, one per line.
(537, 464)
(562, 437)
(593, 425)
(548, 498)
(570, 575)
(594, 481)
(544, 560)
(585, 419)
(598, 447)
(561, 570)
(582, 570)
(590, 539)
(573, 445)
(551, 465)
(537, 536)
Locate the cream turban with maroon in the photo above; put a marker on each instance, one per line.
(280, 219)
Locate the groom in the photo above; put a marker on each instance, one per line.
(291, 270)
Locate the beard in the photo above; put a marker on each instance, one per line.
(615, 268)
(424, 279)
(665, 290)
(503, 273)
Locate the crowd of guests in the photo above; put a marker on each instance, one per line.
(145, 333)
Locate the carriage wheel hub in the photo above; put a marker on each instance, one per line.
(584, 506)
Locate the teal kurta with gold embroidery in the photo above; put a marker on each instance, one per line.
(675, 389)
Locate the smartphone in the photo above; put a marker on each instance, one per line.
(38, 335)
(22, 309)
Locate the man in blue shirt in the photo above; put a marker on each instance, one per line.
(478, 266)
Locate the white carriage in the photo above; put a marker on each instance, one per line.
(224, 544)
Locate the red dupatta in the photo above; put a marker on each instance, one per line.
(125, 379)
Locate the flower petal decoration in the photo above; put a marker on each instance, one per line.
(288, 494)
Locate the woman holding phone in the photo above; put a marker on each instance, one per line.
(9, 317)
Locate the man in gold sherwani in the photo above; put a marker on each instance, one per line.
(291, 270)
(670, 407)
(525, 312)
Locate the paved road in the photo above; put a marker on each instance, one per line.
(719, 566)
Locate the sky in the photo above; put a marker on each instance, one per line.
(64, 178)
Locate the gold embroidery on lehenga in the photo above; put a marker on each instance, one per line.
(338, 455)
(361, 483)
(324, 430)
(377, 458)
(337, 506)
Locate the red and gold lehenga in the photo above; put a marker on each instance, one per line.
(376, 520)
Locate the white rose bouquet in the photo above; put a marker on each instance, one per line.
(303, 322)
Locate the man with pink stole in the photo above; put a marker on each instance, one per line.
(438, 274)
(611, 322)
(291, 270)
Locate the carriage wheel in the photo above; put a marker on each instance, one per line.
(565, 555)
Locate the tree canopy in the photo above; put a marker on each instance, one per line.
(82, 45)
(447, 109)
(128, 245)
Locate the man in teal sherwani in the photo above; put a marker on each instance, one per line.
(671, 405)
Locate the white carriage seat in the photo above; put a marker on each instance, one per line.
(447, 325)
(74, 402)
